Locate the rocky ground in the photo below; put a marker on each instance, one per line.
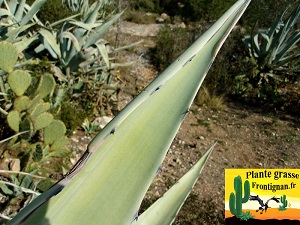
(246, 137)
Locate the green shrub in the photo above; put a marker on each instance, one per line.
(72, 115)
(188, 10)
(143, 5)
(139, 17)
(221, 76)
(212, 101)
(170, 43)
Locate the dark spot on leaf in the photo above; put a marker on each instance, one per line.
(156, 89)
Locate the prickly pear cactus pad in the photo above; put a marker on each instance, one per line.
(19, 81)
(8, 56)
(22, 103)
(13, 119)
(46, 86)
(43, 120)
(54, 131)
(39, 108)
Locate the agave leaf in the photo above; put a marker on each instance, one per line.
(282, 36)
(83, 25)
(25, 42)
(287, 46)
(274, 28)
(125, 47)
(12, 34)
(4, 12)
(102, 49)
(93, 13)
(33, 10)
(95, 36)
(265, 42)
(256, 45)
(12, 5)
(72, 38)
(75, 5)
(288, 59)
(50, 43)
(68, 19)
(109, 182)
(20, 11)
(165, 209)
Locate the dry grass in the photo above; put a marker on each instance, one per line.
(212, 101)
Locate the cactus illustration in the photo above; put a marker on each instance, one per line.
(236, 200)
(284, 203)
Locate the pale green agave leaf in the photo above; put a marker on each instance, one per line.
(103, 51)
(288, 46)
(125, 47)
(94, 37)
(51, 43)
(75, 5)
(4, 12)
(83, 25)
(25, 42)
(68, 19)
(165, 209)
(109, 182)
(92, 13)
(13, 33)
(12, 5)
(36, 6)
(70, 36)
(20, 11)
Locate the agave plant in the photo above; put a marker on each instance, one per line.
(78, 44)
(79, 5)
(16, 18)
(108, 183)
(75, 5)
(70, 44)
(84, 58)
(274, 48)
